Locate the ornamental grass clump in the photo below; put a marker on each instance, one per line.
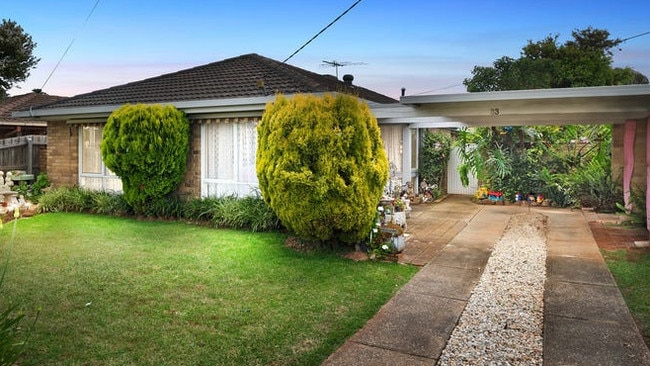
(321, 165)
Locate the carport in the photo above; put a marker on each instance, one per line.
(626, 107)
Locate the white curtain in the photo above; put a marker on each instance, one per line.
(229, 158)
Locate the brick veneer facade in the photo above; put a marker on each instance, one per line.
(63, 158)
(62, 154)
(191, 184)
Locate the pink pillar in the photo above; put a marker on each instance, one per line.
(647, 172)
(628, 160)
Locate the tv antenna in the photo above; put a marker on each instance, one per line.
(336, 64)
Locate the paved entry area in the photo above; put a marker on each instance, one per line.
(586, 320)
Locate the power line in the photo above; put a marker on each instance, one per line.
(635, 36)
(261, 83)
(435, 90)
(321, 31)
(70, 45)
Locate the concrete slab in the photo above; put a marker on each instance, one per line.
(354, 354)
(475, 239)
(461, 257)
(586, 321)
(570, 341)
(586, 302)
(579, 269)
(573, 248)
(412, 323)
(568, 233)
(443, 281)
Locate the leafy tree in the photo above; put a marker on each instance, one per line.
(146, 146)
(583, 61)
(16, 59)
(542, 159)
(321, 165)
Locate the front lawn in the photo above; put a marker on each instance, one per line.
(117, 291)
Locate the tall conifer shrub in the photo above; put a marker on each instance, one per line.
(321, 165)
(146, 146)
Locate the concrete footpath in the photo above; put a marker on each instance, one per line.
(586, 320)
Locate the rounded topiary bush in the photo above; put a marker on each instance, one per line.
(321, 165)
(146, 146)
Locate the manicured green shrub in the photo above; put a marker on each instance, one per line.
(321, 165)
(146, 146)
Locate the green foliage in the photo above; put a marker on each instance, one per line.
(16, 53)
(434, 157)
(570, 165)
(146, 146)
(11, 348)
(321, 165)
(107, 203)
(247, 212)
(65, 199)
(638, 215)
(11, 331)
(33, 192)
(632, 274)
(169, 293)
(250, 213)
(592, 186)
(584, 61)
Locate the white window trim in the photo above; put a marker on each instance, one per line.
(104, 176)
(205, 181)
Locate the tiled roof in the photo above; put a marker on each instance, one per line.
(248, 75)
(24, 102)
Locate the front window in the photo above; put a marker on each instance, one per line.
(93, 174)
(228, 159)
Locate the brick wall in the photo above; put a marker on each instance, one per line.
(191, 184)
(62, 154)
(42, 159)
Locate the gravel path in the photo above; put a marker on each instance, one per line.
(502, 322)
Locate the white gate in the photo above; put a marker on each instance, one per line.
(454, 185)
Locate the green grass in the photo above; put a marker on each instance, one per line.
(632, 274)
(117, 291)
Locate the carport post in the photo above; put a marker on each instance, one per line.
(647, 172)
(628, 160)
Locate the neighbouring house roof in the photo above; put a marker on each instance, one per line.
(250, 77)
(24, 102)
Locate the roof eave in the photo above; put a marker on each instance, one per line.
(189, 107)
(253, 106)
(585, 92)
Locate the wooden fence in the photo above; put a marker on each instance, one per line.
(23, 153)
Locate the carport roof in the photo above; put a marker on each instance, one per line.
(589, 105)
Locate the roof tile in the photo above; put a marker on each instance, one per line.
(249, 75)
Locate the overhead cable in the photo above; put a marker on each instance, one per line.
(70, 45)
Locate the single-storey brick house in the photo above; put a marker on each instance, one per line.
(225, 100)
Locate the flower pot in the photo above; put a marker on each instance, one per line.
(398, 243)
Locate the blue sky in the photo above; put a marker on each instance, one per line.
(425, 46)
